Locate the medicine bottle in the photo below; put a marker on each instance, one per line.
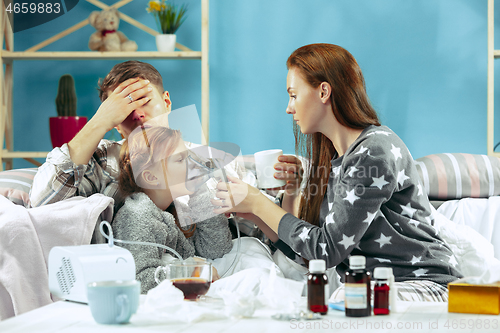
(317, 287)
(357, 288)
(381, 290)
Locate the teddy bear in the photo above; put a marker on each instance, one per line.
(107, 37)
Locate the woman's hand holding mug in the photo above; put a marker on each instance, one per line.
(289, 168)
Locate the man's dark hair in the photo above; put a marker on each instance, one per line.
(128, 70)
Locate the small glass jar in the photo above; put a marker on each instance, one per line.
(382, 276)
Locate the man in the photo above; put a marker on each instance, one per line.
(132, 94)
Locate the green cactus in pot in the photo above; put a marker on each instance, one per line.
(66, 97)
(67, 124)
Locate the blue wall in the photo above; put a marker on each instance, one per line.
(424, 63)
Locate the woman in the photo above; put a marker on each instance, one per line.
(153, 167)
(363, 195)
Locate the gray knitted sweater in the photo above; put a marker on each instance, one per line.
(139, 219)
(375, 206)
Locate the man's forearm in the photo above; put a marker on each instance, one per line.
(83, 145)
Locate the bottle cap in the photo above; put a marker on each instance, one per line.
(357, 262)
(382, 272)
(317, 266)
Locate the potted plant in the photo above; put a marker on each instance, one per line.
(65, 126)
(168, 18)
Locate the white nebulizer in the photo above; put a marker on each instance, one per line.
(71, 268)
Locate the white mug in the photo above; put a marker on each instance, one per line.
(264, 166)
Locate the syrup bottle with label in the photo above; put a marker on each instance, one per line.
(317, 287)
(357, 288)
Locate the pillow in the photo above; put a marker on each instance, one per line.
(481, 214)
(15, 185)
(456, 176)
(472, 251)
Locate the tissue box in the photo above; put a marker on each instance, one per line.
(474, 298)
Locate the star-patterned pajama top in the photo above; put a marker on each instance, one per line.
(375, 206)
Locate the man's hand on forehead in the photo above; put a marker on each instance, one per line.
(127, 97)
(136, 88)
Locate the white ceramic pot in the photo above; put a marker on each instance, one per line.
(165, 42)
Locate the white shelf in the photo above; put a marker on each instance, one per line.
(24, 154)
(93, 55)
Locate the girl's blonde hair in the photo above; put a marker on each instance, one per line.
(147, 148)
(144, 148)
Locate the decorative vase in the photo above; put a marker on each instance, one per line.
(165, 42)
(63, 129)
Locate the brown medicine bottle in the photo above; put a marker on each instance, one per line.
(357, 288)
(317, 287)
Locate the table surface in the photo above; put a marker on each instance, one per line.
(419, 317)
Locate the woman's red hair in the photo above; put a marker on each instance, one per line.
(351, 107)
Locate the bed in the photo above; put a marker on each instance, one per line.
(463, 188)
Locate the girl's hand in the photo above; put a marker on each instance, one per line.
(290, 169)
(215, 274)
(196, 273)
(235, 196)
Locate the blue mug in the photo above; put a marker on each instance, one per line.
(113, 302)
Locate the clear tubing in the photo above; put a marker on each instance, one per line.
(111, 239)
(238, 244)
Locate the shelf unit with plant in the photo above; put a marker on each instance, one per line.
(8, 56)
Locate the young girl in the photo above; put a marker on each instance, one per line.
(363, 195)
(153, 173)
